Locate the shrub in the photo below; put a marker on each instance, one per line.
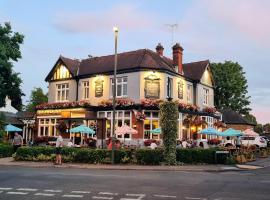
(5, 150)
(149, 156)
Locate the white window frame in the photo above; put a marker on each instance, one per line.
(121, 84)
(42, 124)
(85, 90)
(206, 96)
(189, 93)
(117, 118)
(151, 118)
(64, 91)
(169, 87)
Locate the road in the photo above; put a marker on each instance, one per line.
(57, 183)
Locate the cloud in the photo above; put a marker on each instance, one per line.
(126, 17)
(249, 17)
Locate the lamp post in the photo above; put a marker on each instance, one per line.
(115, 29)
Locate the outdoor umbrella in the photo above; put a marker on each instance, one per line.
(11, 128)
(82, 129)
(209, 131)
(230, 133)
(249, 132)
(156, 131)
(122, 130)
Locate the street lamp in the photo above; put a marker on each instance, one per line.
(115, 30)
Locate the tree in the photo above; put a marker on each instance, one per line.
(266, 128)
(37, 97)
(169, 126)
(10, 81)
(258, 128)
(230, 87)
(251, 118)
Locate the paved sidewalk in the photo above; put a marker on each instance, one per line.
(192, 168)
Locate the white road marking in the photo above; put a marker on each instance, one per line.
(1, 192)
(27, 189)
(164, 196)
(140, 196)
(53, 190)
(5, 188)
(195, 198)
(44, 194)
(107, 198)
(20, 193)
(80, 192)
(108, 193)
(72, 196)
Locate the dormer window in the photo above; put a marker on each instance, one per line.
(61, 73)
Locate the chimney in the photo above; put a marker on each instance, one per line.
(178, 57)
(159, 49)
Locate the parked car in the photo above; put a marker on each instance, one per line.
(254, 140)
(259, 141)
(267, 140)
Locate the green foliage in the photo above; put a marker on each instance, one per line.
(258, 128)
(2, 121)
(103, 156)
(149, 156)
(37, 97)
(169, 125)
(10, 81)
(251, 119)
(5, 150)
(230, 87)
(266, 128)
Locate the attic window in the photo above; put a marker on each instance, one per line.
(61, 73)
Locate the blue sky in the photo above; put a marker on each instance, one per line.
(215, 30)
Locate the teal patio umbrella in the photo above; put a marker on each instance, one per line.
(209, 131)
(230, 133)
(82, 129)
(11, 128)
(156, 131)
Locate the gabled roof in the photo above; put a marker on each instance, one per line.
(129, 61)
(195, 70)
(11, 118)
(71, 64)
(25, 115)
(142, 59)
(232, 117)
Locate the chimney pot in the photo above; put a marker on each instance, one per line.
(178, 57)
(159, 49)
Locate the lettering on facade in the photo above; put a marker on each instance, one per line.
(98, 88)
(180, 89)
(152, 87)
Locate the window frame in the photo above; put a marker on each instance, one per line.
(189, 93)
(85, 89)
(122, 83)
(62, 90)
(206, 96)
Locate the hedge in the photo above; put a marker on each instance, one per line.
(6, 150)
(103, 156)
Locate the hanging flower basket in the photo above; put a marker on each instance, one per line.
(125, 102)
(60, 105)
(220, 124)
(209, 109)
(140, 116)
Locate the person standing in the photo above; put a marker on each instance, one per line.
(59, 145)
(238, 142)
(17, 141)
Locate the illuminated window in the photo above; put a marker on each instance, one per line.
(62, 91)
(205, 96)
(150, 123)
(121, 117)
(47, 127)
(61, 73)
(121, 86)
(85, 89)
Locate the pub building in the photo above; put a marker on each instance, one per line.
(80, 92)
